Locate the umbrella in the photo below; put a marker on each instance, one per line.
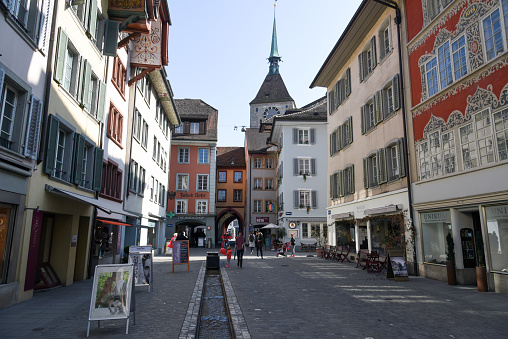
(271, 226)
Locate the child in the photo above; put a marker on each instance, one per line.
(228, 256)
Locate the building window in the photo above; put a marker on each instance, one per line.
(392, 162)
(133, 177)
(258, 206)
(181, 206)
(222, 176)
(431, 72)
(237, 195)
(137, 123)
(384, 40)
(435, 227)
(496, 221)
(372, 170)
(305, 230)
(303, 136)
(304, 166)
(435, 154)
(368, 115)
(115, 125)
(367, 59)
(91, 99)
(202, 182)
(201, 206)
(119, 75)
(111, 180)
(258, 183)
(8, 115)
(144, 135)
(203, 155)
(71, 73)
(238, 177)
(179, 129)
(459, 57)
(154, 155)
(501, 130)
(182, 182)
(303, 199)
(445, 64)
(141, 182)
(221, 195)
(152, 183)
(268, 184)
(349, 181)
(183, 155)
(268, 163)
(492, 30)
(156, 194)
(194, 128)
(258, 162)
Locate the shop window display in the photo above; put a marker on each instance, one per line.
(435, 226)
(345, 232)
(497, 228)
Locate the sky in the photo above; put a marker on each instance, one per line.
(218, 51)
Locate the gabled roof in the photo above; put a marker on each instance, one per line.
(273, 89)
(256, 141)
(197, 109)
(231, 157)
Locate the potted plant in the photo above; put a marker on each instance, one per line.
(481, 270)
(320, 238)
(308, 209)
(450, 260)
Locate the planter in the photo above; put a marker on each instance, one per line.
(481, 279)
(319, 252)
(450, 271)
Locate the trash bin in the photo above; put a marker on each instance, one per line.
(212, 260)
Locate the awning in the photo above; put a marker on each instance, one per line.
(383, 210)
(126, 214)
(343, 215)
(78, 197)
(113, 222)
(150, 214)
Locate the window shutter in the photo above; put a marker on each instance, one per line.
(33, 128)
(87, 73)
(340, 132)
(381, 165)
(79, 151)
(348, 79)
(330, 102)
(60, 57)
(312, 136)
(110, 37)
(381, 45)
(201, 127)
(350, 123)
(102, 102)
(360, 66)
(373, 50)
(402, 159)
(296, 199)
(331, 185)
(45, 28)
(365, 173)
(332, 143)
(396, 92)
(295, 135)
(313, 166)
(282, 170)
(340, 183)
(93, 17)
(53, 128)
(378, 108)
(362, 116)
(2, 77)
(338, 93)
(97, 169)
(9, 4)
(314, 198)
(336, 185)
(352, 179)
(295, 166)
(384, 103)
(186, 127)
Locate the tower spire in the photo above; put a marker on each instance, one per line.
(274, 57)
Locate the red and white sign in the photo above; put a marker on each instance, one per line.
(208, 227)
(262, 219)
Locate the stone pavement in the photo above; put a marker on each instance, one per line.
(301, 297)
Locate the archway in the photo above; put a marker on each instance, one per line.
(194, 230)
(224, 219)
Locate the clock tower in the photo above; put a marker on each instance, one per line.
(273, 97)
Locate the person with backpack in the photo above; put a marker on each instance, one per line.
(252, 242)
(259, 244)
(292, 245)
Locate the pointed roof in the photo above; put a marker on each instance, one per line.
(273, 89)
(274, 52)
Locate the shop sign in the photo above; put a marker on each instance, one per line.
(497, 212)
(435, 217)
(289, 213)
(262, 219)
(292, 225)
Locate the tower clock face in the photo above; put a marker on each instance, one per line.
(270, 112)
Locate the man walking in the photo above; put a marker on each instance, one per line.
(239, 246)
(259, 244)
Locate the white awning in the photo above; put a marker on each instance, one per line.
(383, 210)
(342, 215)
(77, 197)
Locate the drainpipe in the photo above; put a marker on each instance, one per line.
(398, 20)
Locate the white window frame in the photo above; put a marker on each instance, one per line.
(445, 65)
(182, 184)
(8, 135)
(459, 54)
(258, 206)
(202, 184)
(194, 128)
(258, 162)
(181, 206)
(304, 198)
(201, 158)
(501, 50)
(199, 206)
(185, 152)
(431, 76)
(304, 166)
(303, 136)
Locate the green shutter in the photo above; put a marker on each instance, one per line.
(396, 92)
(78, 155)
(366, 173)
(360, 66)
(331, 143)
(338, 96)
(381, 165)
(340, 132)
(45, 30)
(312, 136)
(295, 166)
(93, 18)
(331, 186)
(102, 101)
(51, 145)
(378, 110)
(313, 195)
(296, 199)
(295, 135)
(33, 128)
(402, 158)
(340, 183)
(352, 179)
(97, 169)
(348, 79)
(60, 56)
(313, 166)
(373, 51)
(330, 102)
(110, 37)
(350, 122)
(85, 84)
(362, 116)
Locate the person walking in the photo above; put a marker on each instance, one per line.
(259, 244)
(239, 246)
(292, 245)
(252, 242)
(228, 256)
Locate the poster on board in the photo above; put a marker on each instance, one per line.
(141, 258)
(111, 292)
(396, 268)
(181, 253)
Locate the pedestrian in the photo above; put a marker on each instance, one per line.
(292, 245)
(259, 244)
(252, 242)
(239, 246)
(228, 256)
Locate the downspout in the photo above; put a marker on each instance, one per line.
(47, 89)
(398, 20)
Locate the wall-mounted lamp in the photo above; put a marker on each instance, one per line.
(33, 209)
